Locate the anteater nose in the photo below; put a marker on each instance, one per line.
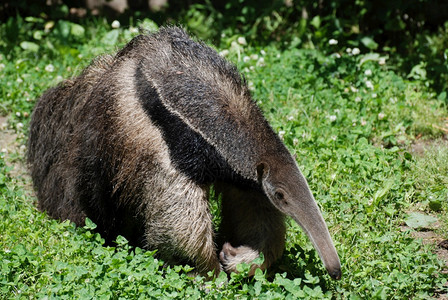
(335, 274)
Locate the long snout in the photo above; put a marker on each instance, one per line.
(312, 222)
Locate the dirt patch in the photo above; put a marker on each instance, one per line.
(420, 146)
(14, 154)
(428, 236)
(7, 137)
(442, 252)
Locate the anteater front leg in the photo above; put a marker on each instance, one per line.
(250, 225)
(179, 224)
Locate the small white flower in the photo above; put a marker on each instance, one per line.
(290, 118)
(337, 110)
(353, 89)
(336, 55)
(19, 125)
(115, 24)
(19, 80)
(133, 30)
(381, 116)
(333, 42)
(358, 99)
(246, 58)
(295, 141)
(224, 52)
(242, 40)
(251, 68)
(374, 95)
(382, 61)
(254, 56)
(368, 72)
(332, 118)
(363, 122)
(348, 50)
(281, 134)
(250, 85)
(333, 176)
(261, 61)
(369, 84)
(49, 68)
(18, 114)
(263, 52)
(4, 150)
(334, 137)
(356, 51)
(393, 100)
(278, 55)
(2, 66)
(370, 201)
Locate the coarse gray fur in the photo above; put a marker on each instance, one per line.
(136, 141)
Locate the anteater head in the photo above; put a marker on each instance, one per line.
(288, 191)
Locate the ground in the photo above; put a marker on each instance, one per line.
(14, 152)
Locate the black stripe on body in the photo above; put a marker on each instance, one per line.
(189, 151)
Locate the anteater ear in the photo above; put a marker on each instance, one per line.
(262, 171)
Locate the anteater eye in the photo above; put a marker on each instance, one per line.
(279, 196)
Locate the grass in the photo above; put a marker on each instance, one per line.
(349, 120)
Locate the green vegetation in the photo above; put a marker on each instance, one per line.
(350, 117)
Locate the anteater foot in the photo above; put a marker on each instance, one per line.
(230, 257)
